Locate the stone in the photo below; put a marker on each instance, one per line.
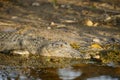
(22, 53)
(35, 4)
(88, 22)
(96, 40)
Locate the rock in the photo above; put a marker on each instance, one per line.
(48, 27)
(108, 19)
(65, 6)
(88, 22)
(69, 21)
(60, 49)
(53, 24)
(14, 17)
(62, 6)
(96, 24)
(23, 53)
(96, 40)
(111, 64)
(96, 56)
(36, 4)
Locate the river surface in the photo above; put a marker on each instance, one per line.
(76, 72)
(42, 68)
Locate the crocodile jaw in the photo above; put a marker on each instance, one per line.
(60, 49)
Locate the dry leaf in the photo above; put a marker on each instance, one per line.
(53, 24)
(97, 46)
(89, 22)
(96, 24)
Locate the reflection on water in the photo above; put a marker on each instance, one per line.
(16, 74)
(75, 72)
(68, 73)
(47, 68)
(103, 78)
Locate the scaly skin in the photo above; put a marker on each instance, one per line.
(60, 49)
(11, 41)
(14, 41)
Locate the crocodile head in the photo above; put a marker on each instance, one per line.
(60, 49)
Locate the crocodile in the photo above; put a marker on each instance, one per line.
(13, 42)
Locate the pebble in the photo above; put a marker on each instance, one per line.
(96, 40)
(97, 56)
(68, 6)
(14, 17)
(53, 24)
(111, 64)
(36, 4)
(62, 6)
(112, 40)
(89, 23)
(96, 24)
(48, 27)
(65, 6)
(19, 52)
(108, 19)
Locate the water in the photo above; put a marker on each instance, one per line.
(75, 72)
(68, 73)
(44, 68)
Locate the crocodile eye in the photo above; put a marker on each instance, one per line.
(66, 43)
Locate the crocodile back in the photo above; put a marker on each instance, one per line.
(12, 41)
(34, 45)
(10, 36)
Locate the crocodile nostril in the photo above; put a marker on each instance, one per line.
(52, 44)
(61, 45)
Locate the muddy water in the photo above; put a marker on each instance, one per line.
(44, 68)
(81, 72)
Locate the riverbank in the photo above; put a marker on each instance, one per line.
(92, 28)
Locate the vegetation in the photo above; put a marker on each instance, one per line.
(111, 55)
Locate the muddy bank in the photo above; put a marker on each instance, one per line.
(36, 67)
(92, 28)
